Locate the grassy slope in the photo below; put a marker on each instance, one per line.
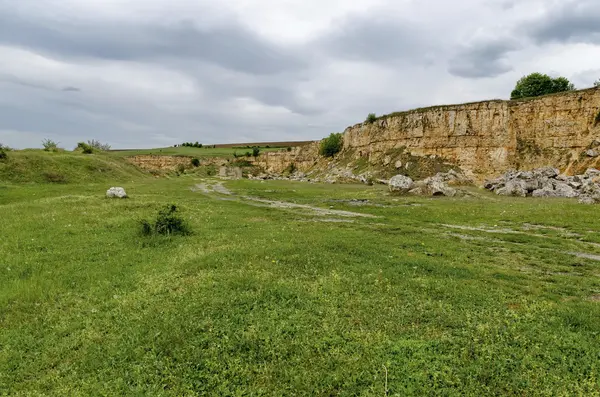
(262, 301)
(188, 151)
(37, 166)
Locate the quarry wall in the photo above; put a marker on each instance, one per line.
(484, 139)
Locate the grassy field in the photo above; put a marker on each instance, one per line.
(190, 151)
(294, 289)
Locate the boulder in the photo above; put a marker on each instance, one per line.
(400, 184)
(548, 172)
(591, 173)
(515, 187)
(116, 192)
(586, 200)
(564, 190)
(440, 188)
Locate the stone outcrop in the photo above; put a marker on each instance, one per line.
(482, 139)
(547, 182)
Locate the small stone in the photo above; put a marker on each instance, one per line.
(116, 192)
(592, 153)
(398, 164)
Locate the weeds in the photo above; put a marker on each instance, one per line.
(49, 145)
(167, 223)
(97, 145)
(195, 162)
(55, 177)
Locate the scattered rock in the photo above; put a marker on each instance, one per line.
(400, 184)
(515, 187)
(398, 164)
(546, 182)
(116, 192)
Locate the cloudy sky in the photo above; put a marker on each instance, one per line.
(152, 73)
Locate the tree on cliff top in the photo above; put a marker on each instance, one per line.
(597, 83)
(537, 84)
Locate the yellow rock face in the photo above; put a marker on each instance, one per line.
(484, 138)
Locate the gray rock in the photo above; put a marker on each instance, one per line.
(592, 153)
(548, 172)
(532, 184)
(586, 200)
(515, 187)
(398, 164)
(564, 190)
(116, 192)
(591, 173)
(545, 192)
(441, 188)
(400, 184)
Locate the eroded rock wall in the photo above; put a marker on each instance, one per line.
(487, 138)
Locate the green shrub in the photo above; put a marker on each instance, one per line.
(85, 148)
(248, 154)
(255, 151)
(97, 145)
(331, 145)
(371, 118)
(290, 169)
(597, 83)
(3, 155)
(167, 223)
(50, 145)
(196, 162)
(181, 169)
(289, 149)
(597, 121)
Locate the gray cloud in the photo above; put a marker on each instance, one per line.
(148, 74)
(573, 21)
(482, 59)
(376, 39)
(232, 46)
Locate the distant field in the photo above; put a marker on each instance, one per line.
(189, 151)
(264, 144)
(289, 288)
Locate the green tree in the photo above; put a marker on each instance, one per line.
(331, 145)
(597, 83)
(537, 84)
(255, 151)
(371, 118)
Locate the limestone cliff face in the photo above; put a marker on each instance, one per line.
(303, 157)
(487, 138)
(484, 139)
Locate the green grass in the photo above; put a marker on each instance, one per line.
(190, 151)
(38, 166)
(270, 301)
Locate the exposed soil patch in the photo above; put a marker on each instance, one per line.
(219, 188)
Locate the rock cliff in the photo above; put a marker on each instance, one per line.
(483, 139)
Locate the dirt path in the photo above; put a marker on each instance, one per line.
(218, 188)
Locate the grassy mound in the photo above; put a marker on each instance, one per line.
(36, 166)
